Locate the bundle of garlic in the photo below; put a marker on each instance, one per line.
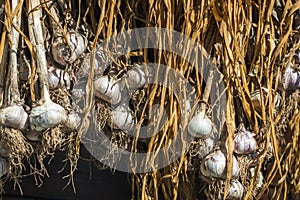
(48, 114)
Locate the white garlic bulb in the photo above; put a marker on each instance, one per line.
(58, 78)
(3, 167)
(200, 125)
(107, 89)
(236, 190)
(138, 76)
(214, 165)
(291, 79)
(121, 118)
(256, 99)
(14, 117)
(73, 121)
(244, 142)
(206, 146)
(64, 54)
(46, 116)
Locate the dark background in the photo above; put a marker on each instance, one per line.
(90, 182)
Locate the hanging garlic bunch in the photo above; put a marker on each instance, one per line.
(244, 142)
(291, 79)
(200, 126)
(214, 166)
(107, 89)
(49, 114)
(14, 117)
(121, 118)
(58, 78)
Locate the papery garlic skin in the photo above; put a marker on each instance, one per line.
(13, 117)
(3, 167)
(46, 116)
(291, 79)
(121, 118)
(244, 142)
(64, 54)
(236, 190)
(200, 126)
(107, 89)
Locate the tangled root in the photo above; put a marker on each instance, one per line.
(17, 150)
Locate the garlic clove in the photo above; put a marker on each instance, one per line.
(291, 79)
(122, 118)
(200, 125)
(46, 116)
(244, 142)
(14, 117)
(64, 54)
(107, 89)
(235, 168)
(236, 190)
(3, 167)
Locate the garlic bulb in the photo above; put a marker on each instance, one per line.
(58, 78)
(64, 54)
(73, 121)
(291, 79)
(14, 117)
(200, 125)
(244, 142)
(121, 118)
(107, 89)
(46, 116)
(138, 76)
(236, 190)
(214, 165)
(206, 146)
(256, 99)
(101, 61)
(3, 167)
